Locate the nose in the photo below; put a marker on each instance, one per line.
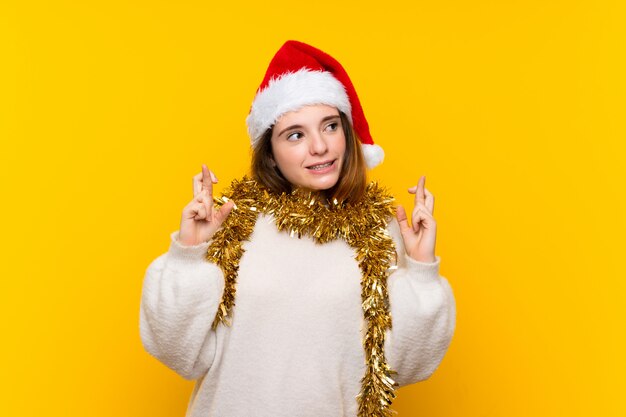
(318, 145)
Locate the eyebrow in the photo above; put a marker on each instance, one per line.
(334, 116)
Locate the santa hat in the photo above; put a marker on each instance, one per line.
(301, 75)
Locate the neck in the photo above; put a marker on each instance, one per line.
(318, 194)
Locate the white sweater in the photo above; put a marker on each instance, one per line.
(295, 344)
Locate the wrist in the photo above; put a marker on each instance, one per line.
(423, 258)
(180, 251)
(185, 242)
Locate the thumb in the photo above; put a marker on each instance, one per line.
(403, 221)
(224, 211)
(408, 235)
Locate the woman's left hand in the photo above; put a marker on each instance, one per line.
(419, 240)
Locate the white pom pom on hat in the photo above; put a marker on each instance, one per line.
(300, 75)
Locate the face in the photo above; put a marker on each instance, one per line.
(309, 146)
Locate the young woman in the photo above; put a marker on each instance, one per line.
(297, 293)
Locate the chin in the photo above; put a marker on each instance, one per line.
(323, 185)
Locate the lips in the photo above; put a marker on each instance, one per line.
(321, 165)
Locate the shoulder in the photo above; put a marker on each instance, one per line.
(378, 201)
(247, 194)
(241, 188)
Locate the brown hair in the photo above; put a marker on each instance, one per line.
(352, 180)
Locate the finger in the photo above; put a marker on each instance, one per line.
(213, 176)
(423, 209)
(200, 212)
(207, 202)
(430, 201)
(416, 218)
(403, 221)
(207, 180)
(422, 219)
(197, 184)
(420, 197)
(419, 216)
(208, 206)
(407, 233)
(224, 211)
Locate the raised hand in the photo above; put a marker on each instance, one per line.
(419, 239)
(200, 220)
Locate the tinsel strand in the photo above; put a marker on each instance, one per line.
(363, 226)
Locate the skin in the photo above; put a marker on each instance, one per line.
(306, 138)
(294, 150)
(419, 239)
(200, 220)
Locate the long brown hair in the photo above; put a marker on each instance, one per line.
(352, 180)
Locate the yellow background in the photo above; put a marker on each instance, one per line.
(514, 111)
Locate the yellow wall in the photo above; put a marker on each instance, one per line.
(514, 111)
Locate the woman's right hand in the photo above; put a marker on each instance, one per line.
(200, 220)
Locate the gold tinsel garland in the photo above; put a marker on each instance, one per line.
(363, 226)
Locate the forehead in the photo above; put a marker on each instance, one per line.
(307, 114)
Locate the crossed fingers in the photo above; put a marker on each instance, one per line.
(203, 189)
(424, 202)
(204, 181)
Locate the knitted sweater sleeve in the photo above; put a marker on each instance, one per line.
(423, 314)
(180, 296)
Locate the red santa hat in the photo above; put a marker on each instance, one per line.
(301, 75)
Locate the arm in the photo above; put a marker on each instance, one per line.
(180, 296)
(423, 314)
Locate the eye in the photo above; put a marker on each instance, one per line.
(333, 126)
(294, 136)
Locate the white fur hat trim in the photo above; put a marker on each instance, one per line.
(292, 91)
